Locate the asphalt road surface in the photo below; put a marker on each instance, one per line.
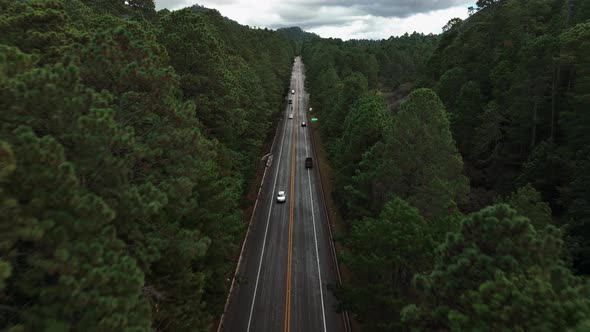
(281, 284)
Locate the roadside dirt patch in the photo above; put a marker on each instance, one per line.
(396, 97)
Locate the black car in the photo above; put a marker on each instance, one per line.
(308, 162)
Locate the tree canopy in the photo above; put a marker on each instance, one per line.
(129, 138)
(491, 112)
(496, 270)
(125, 150)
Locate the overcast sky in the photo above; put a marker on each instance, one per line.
(346, 19)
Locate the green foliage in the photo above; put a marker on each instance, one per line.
(38, 27)
(495, 270)
(513, 79)
(467, 115)
(576, 196)
(127, 139)
(528, 203)
(385, 64)
(452, 23)
(341, 99)
(448, 85)
(297, 36)
(527, 62)
(547, 169)
(364, 125)
(135, 9)
(383, 255)
(420, 162)
(489, 135)
(232, 73)
(575, 54)
(121, 208)
(486, 3)
(417, 161)
(11, 224)
(68, 267)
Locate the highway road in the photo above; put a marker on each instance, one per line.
(287, 263)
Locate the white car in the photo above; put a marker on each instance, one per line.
(292, 92)
(291, 116)
(281, 197)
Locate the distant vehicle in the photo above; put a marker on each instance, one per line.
(281, 197)
(308, 162)
(303, 124)
(291, 116)
(292, 92)
(290, 101)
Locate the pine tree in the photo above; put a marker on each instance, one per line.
(353, 87)
(363, 127)
(38, 27)
(495, 270)
(183, 209)
(420, 161)
(576, 197)
(575, 54)
(120, 206)
(383, 255)
(528, 203)
(68, 267)
(466, 115)
(448, 86)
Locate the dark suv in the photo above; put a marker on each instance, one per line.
(308, 162)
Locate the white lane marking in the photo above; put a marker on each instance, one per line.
(315, 237)
(267, 222)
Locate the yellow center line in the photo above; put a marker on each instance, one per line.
(291, 213)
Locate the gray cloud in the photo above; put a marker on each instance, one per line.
(293, 11)
(178, 4)
(310, 14)
(314, 23)
(381, 8)
(170, 4)
(343, 18)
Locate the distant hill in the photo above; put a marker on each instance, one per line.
(297, 34)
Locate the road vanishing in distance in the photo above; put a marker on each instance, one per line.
(287, 263)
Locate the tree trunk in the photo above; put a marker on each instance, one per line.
(534, 132)
(572, 73)
(554, 83)
(569, 13)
